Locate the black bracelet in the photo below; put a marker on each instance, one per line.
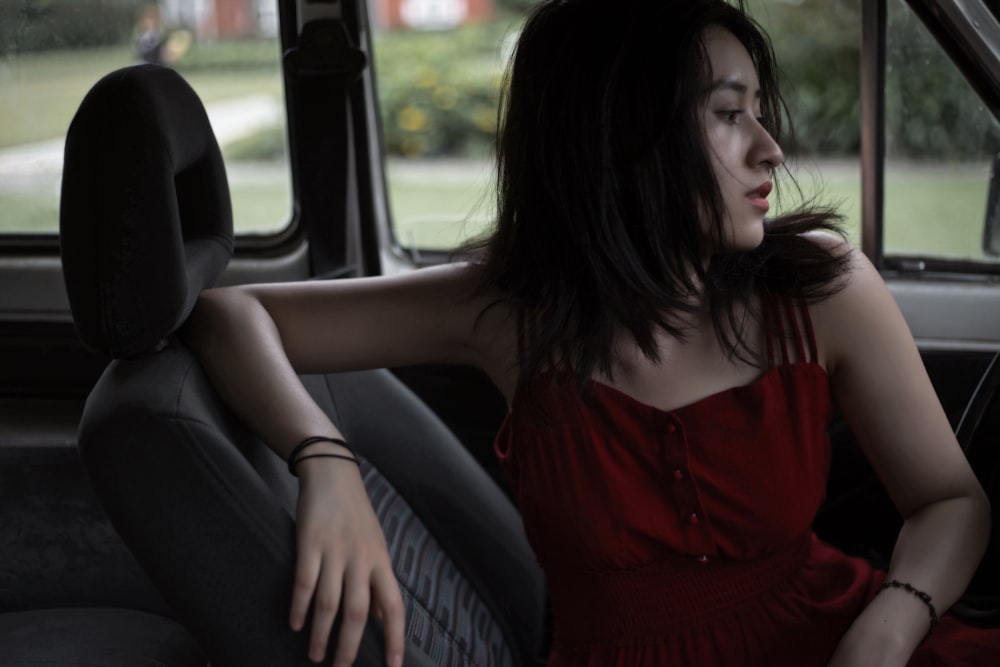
(345, 457)
(294, 458)
(924, 597)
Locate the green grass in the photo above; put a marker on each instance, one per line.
(40, 92)
(935, 210)
(31, 211)
(257, 209)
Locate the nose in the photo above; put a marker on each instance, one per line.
(766, 151)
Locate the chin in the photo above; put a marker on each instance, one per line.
(746, 239)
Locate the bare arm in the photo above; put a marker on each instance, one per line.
(254, 340)
(882, 389)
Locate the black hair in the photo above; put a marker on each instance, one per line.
(604, 186)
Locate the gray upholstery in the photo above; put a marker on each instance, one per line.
(145, 209)
(95, 637)
(204, 507)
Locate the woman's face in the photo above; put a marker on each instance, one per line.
(741, 151)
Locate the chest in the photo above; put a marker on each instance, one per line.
(612, 482)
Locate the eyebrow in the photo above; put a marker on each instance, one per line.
(731, 84)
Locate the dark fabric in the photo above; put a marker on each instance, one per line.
(165, 458)
(454, 497)
(206, 508)
(172, 466)
(95, 637)
(145, 216)
(979, 434)
(445, 615)
(57, 546)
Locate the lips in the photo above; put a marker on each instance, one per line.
(758, 196)
(763, 191)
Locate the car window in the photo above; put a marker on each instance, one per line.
(817, 48)
(439, 75)
(940, 139)
(438, 85)
(52, 52)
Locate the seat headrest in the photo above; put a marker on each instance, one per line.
(145, 217)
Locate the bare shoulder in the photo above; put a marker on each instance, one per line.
(860, 314)
(830, 241)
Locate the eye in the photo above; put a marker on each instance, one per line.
(730, 116)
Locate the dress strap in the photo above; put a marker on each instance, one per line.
(769, 317)
(792, 311)
(809, 331)
(776, 331)
(788, 320)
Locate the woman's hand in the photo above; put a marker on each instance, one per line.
(342, 564)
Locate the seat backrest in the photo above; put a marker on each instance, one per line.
(207, 510)
(978, 433)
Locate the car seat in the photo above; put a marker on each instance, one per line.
(978, 433)
(206, 509)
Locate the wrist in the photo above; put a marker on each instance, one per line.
(320, 448)
(888, 630)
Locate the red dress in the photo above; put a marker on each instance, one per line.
(683, 537)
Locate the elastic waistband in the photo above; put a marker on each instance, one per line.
(670, 595)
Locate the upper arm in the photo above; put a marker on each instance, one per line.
(428, 315)
(881, 388)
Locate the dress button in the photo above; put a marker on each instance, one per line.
(693, 519)
(671, 428)
(678, 474)
(703, 559)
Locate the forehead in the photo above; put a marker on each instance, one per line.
(730, 62)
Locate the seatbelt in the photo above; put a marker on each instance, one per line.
(321, 69)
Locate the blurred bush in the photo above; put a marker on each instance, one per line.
(931, 111)
(439, 90)
(817, 45)
(39, 25)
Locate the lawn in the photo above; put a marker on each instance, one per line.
(259, 207)
(39, 93)
(930, 209)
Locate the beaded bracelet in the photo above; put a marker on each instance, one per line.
(294, 458)
(924, 597)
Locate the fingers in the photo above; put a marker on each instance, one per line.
(306, 575)
(354, 616)
(353, 592)
(342, 568)
(389, 606)
(325, 608)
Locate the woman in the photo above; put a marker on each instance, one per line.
(669, 359)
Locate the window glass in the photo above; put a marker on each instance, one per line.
(53, 51)
(439, 67)
(817, 48)
(940, 140)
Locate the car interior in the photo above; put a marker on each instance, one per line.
(143, 524)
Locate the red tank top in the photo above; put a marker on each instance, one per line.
(683, 537)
